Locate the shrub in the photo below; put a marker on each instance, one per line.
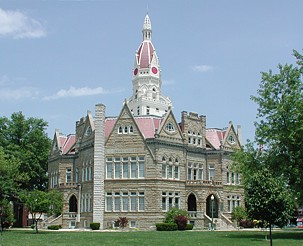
(95, 226)
(181, 221)
(246, 224)
(121, 222)
(166, 226)
(189, 226)
(54, 227)
(173, 213)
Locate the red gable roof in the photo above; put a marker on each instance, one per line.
(147, 125)
(66, 142)
(215, 136)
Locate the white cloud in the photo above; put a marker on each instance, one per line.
(76, 92)
(18, 93)
(202, 68)
(18, 25)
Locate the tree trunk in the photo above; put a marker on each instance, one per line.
(270, 238)
(36, 224)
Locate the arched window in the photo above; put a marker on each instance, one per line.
(131, 129)
(120, 130)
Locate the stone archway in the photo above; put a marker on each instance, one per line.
(191, 203)
(209, 206)
(73, 204)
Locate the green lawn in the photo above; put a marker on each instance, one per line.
(28, 237)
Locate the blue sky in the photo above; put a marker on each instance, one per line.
(60, 58)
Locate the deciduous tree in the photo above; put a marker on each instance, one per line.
(25, 140)
(280, 122)
(39, 202)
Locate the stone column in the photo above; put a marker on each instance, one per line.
(98, 182)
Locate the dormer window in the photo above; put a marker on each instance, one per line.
(231, 139)
(170, 127)
(88, 131)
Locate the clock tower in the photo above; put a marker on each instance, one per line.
(147, 98)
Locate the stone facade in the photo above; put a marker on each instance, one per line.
(138, 165)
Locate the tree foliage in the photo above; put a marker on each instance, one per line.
(268, 199)
(24, 140)
(39, 202)
(280, 122)
(10, 177)
(239, 213)
(6, 213)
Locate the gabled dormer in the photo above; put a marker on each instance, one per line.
(125, 130)
(169, 129)
(227, 138)
(232, 138)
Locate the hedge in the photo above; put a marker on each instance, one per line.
(166, 226)
(189, 226)
(54, 227)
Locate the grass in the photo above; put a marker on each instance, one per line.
(233, 238)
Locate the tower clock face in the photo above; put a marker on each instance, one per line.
(135, 71)
(154, 70)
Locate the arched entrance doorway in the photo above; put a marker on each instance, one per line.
(191, 203)
(212, 205)
(73, 204)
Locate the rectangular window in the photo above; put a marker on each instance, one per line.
(87, 174)
(117, 201)
(232, 178)
(176, 172)
(109, 168)
(170, 171)
(163, 170)
(68, 175)
(200, 174)
(170, 202)
(164, 203)
(228, 205)
(227, 178)
(133, 204)
(237, 178)
(195, 174)
(141, 201)
(125, 202)
(82, 176)
(77, 176)
(177, 202)
(141, 167)
(211, 172)
(133, 167)
(117, 170)
(125, 168)
(189, 173)
(132, 224)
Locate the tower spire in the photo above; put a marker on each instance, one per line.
(147, 98)
(147, 28)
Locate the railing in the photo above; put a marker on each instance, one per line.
(203, 182)
(68, 185)
(227, 220)
(192, 214)
(70, 215)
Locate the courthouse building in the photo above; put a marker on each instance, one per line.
(143, 162)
